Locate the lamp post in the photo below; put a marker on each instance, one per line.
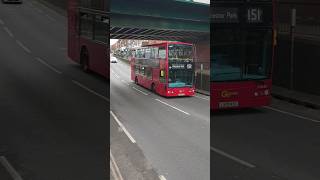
(292, 31)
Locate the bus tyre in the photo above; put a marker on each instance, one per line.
(84, 61)
(136, 80)
(152, 87)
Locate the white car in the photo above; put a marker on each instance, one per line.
(12, 1)
(113, 60)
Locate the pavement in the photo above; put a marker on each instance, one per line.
(293, 96)
(51, 128)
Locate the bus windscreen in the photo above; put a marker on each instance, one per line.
(241, 54)
(181, 65)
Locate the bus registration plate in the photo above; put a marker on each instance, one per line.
(181, 94)
(228, 104)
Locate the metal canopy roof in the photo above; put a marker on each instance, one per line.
(159, 20)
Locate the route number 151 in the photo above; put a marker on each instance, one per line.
(255, 15)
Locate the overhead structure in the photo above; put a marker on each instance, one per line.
(175, 20)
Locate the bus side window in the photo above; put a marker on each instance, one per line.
(100, 26)
(86, 25)
(137, 69)
(162, 52)
(147, 53)
(149, 73)
(142, 70)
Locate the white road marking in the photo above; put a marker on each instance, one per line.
(23, 46)
(144, 93)
(51, 18)
(161, 177)
(115, 169)
(173, 107)
(122, 126)
(14, 174)
(114, 175)
(90, 90)
(8, 31)
(232, 157)
(291, 114)
(1, 22)
(125, 82)
(207, 99)
(39, 10)
(48, 65)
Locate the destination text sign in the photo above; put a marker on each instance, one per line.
(225, 15)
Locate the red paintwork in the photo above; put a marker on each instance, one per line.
(244, 89)
(98, 52)
(242, 92)
(161, 88)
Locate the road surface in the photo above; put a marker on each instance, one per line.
(172, 133)
(52, 127)
(276, 142)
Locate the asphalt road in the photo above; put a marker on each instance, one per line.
(52, 127)
(172, 133)
(277, 142)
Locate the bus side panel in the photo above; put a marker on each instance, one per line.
(98, 57)
(73, 38)
(161, 89)
(241, 92)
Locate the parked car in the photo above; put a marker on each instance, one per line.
(113, 60)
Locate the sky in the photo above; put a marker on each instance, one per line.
(112, 41)
(203, 1)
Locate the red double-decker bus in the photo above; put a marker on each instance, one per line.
(166, 68)
(88, 40)
(242, 47)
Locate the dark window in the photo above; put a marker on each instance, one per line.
(241, 54)
(147, 53)
(142, 70)
(162, 52)
(136, 69)
(86, 25)
(149, 73)
(101, 28)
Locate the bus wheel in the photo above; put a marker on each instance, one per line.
(152, 87)
(84, 61)
(136, 80)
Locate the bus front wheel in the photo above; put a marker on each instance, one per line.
(84, 61)
(152, 87)
(136, 80)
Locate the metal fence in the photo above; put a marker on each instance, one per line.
(202, 75)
